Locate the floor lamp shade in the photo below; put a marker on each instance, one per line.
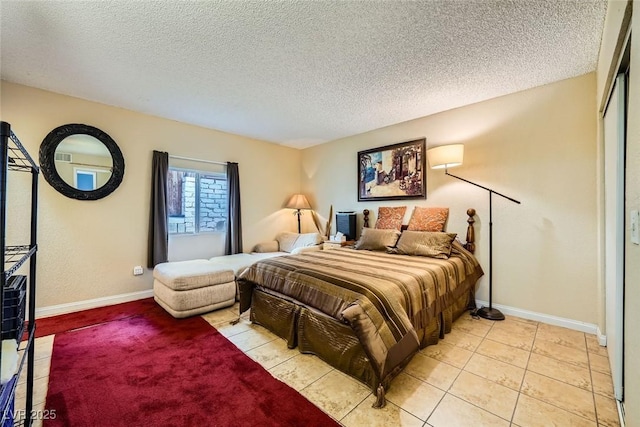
(298, 202)
(448, 156)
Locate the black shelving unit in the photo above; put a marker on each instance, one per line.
(14, 157)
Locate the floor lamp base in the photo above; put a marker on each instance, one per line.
(490, 313)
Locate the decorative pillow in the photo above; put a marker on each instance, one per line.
(390, 218)
(264, 247)
(425, 243)
(377, 240)
(428, 219)
(288, 241)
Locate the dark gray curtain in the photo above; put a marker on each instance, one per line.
(158, 249)
(234, 224)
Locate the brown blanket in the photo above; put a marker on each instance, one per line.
(383, 297)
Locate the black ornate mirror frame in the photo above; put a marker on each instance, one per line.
(48, 167)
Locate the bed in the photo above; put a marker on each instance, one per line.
(364, 312)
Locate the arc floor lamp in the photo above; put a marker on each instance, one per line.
(449, 156)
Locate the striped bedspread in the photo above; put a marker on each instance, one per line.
(383, 297)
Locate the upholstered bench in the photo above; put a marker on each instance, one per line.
(187, 288)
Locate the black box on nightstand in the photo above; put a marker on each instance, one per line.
(346, 224)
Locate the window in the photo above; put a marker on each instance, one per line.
(197, 201)
(85, 180)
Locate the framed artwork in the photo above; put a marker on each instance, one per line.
(393, 172)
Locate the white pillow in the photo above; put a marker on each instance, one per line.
(306, 249)
(287, 241)
(308, 239)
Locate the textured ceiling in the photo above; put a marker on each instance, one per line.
(297, 73)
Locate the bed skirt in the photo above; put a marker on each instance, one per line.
(335, 342)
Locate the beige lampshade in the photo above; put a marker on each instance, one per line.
(298, 201)
(445, 156)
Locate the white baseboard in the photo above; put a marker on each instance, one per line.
(620, 406)
(54, 310)
(602, 338)
(588, 328)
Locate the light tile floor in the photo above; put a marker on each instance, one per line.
(510, 373)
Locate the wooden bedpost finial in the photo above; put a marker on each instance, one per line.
(366, 217)
(471, 235)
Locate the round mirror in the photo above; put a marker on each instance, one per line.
(81, 162)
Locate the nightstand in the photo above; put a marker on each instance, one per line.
(330, 244)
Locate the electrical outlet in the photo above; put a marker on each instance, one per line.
(635, 227)
(137, 270)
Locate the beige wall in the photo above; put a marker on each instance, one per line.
(87, 249)
(632, 273)
(537, 146)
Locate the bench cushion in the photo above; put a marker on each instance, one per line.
(240, 262)
(236, 262)
(195, 301)
(192, 274)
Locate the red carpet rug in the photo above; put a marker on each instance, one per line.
(81, 319)
(154, 370)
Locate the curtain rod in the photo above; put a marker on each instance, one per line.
(197, 160)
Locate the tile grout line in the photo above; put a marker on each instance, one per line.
(426, 421)
(510, 421)
(526, 369)
(556, 406)
(446, 392)
(462, 369)
(593, 394)
(524, 374)
(358, 404)
(314, 403)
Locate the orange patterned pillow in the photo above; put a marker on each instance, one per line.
(390, 218)
(428, 219)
